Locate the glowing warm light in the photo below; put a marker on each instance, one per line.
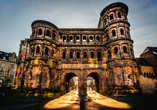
(106, 101)
(63, 101)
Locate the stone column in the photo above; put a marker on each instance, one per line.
(117, 33)
(120, 49)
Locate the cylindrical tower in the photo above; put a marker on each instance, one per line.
(42, 62)
(121, 70)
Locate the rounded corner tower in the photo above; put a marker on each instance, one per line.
(121, 70)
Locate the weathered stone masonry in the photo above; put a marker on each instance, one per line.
(52, 56)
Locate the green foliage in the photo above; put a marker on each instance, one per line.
(53, 60)
(50, 94)
(72, 83)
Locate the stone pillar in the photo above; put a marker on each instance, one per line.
(120, 50)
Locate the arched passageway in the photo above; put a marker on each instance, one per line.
(95, 76)
(67, 79)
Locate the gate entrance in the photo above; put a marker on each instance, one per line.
(67, 81)
(96, 81)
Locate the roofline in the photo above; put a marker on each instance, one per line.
(81, 29)
(43, 21)
(117, 4)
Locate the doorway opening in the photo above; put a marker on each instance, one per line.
(93, 82)
(70, 82)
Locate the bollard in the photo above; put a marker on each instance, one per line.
(82, 105)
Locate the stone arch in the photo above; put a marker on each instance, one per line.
(38, 49)
(99, 55)
(111, 16)
(46, 50)
(71, 38)
(66, 76)
(71, 54)
(53, 35)
(92, 54)
(40, 31)
(78, 38)
(97, 77)
(84, 38)
(121, 31)
(64, 55)
(113, 33)
(119, 14)
(64, 38)
(125, 49)
(78, 54)
(98, 38)
(48, 32)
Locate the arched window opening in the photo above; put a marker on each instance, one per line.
(54, 36)
(113, 33)
(71, 54)
(109, 54)
(124, 49)
(38, 49)
(78, 54)
(64, 55)
(119, 15)
(111, 16)
(91, 38)
(85, 54)
(116, 50)
(77, 38)
(48, 33)
(71, 38)
(92, 54)
(84, 38)
(46, 50)
(99, 56)
(40, 32)
(97, 38)
(64, 38)
(122, 31)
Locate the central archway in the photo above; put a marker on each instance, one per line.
(96, 77)
(67, 79)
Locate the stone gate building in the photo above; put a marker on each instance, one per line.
(52, 55)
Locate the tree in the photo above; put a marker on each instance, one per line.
(72, 82)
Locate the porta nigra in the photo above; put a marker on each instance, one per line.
(52, 55)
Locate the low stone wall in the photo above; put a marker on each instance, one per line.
(149, 85)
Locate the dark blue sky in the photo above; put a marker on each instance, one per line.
(16, 17)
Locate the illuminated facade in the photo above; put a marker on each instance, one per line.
(52, 56)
